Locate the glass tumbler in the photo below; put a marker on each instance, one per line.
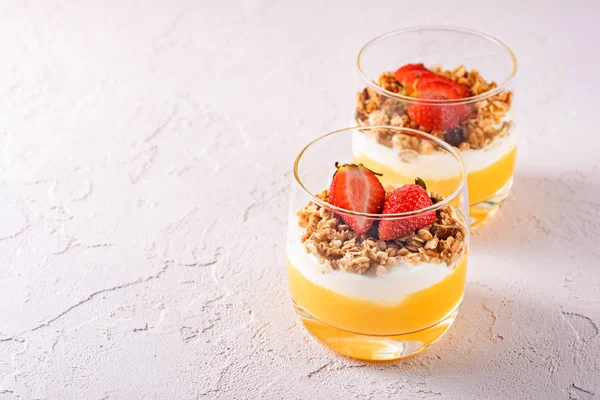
(360, 295)
(474, 113)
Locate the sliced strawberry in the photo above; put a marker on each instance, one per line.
(439, 117)
(429, 85)
(404, 199)
(402, 72)
(461, 90)
(410, 74)
(413, 78)
(356, 188)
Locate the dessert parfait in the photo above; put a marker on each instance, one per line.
(458, 105)
(376, 271)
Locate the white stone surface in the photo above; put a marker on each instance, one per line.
(145, 157)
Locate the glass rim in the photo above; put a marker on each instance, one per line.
(465, 100)
(445, 202)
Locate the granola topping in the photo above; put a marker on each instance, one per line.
(337, 247)
(486, 125)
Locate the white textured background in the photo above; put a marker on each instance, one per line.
(145, 156)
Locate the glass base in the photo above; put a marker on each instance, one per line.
(482, 213)
(372, 347)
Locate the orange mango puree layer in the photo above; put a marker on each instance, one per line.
(485, 182)
(482, 183)
(414, 312)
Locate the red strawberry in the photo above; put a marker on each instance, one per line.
(404, 199)
(436, 87)
(408, 74)
(402, 72)
(461, 90)
(356, 188)
(439, 117)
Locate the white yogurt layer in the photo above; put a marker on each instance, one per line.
(437, 165)
(401, 280)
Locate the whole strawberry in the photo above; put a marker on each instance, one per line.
(404, 199)
(356, 188)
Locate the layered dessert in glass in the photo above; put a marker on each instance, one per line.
(376, 267)
(451, 83)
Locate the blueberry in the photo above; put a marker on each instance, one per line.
(455, 136)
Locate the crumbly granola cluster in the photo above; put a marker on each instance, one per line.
(338, 247)
(373, 108)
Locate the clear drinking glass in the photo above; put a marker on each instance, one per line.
(361, 296)
(480, 125)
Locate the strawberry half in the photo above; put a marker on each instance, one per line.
(404, 199)
(439, 117)
(356, 188)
